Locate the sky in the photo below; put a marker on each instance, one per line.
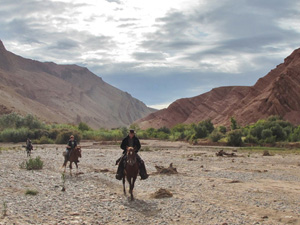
(158, 50)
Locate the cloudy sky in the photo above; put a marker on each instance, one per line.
(158, 50)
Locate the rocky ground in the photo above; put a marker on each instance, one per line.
(248, 189)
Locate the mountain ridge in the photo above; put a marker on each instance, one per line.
(277, 93)
(63, 93)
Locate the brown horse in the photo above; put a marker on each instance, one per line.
(74, 155)
(131, 171)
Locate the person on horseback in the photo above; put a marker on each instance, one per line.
(29, 146)
(130, 141)
(71, 145)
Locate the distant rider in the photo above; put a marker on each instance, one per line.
(71, 146)
(131, 141)
(29, 146)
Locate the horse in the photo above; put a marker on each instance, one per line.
(28, 150)
(131, 171)
(74, 155)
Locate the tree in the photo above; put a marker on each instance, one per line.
(234, 124)
(222, 129)
(234, 138)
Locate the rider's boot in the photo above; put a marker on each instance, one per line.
(143, 172)
(120, 171)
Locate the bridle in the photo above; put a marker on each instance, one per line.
(131, 158)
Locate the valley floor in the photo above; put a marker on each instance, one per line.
(248, 189)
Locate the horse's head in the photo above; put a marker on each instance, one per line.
(131, 156)
(78, 151)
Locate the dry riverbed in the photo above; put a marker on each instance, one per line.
(248, 189)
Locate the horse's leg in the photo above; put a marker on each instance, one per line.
(76, 167)
(124, 185)
(71, 168)
(132, 186)
(129, 182)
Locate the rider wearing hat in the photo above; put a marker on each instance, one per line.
(131, 141)
(70, 146)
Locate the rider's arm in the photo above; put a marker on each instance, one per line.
(124, 145)
(138, 145)
(69, 145)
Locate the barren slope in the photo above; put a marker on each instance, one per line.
(63, 93)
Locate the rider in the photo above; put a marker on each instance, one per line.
(71, 145)
(28, 145)
(131, 141)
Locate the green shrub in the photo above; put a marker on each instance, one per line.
(209, 127)
(44, 140)
(234, 124)
(32, 164)
(16, 135)
(83, 126)
(31, 192)
(234, 138)
(278, 132)
(267, 133)
(64, 136)
(251, 140)
(215, 136)
(222, 129)
(165, 130)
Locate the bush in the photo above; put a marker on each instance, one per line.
(31, 192)
(165, 130)
(215, 136)
(83, 126)
(16, 135)
(266, 133)
(209, 127)
(234, 138)
(64, 136)
(234, 124)
(251, 140)
(32, 164)
(222, 129)
(278, 132)
(44, 140)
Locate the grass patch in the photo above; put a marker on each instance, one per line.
(32, 164)
(272, 150)
(31, 192)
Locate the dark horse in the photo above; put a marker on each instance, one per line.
(28, 150)
(74, 155)
(131, 171)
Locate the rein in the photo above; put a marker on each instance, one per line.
(131, 161)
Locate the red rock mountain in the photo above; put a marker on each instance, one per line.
(63, 94)
(278, 93)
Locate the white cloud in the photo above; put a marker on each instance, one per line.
(168, 47)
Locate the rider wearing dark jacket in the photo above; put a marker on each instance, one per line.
(131, 141)
(72, 143)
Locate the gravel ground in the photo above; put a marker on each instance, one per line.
(249, 189)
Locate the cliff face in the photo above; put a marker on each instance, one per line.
(63, 94)
(278, 93)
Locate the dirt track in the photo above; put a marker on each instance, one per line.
(249, 189)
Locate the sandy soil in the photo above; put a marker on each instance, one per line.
(248, 189)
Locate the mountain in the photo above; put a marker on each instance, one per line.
(278, 93)
(63, 94)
